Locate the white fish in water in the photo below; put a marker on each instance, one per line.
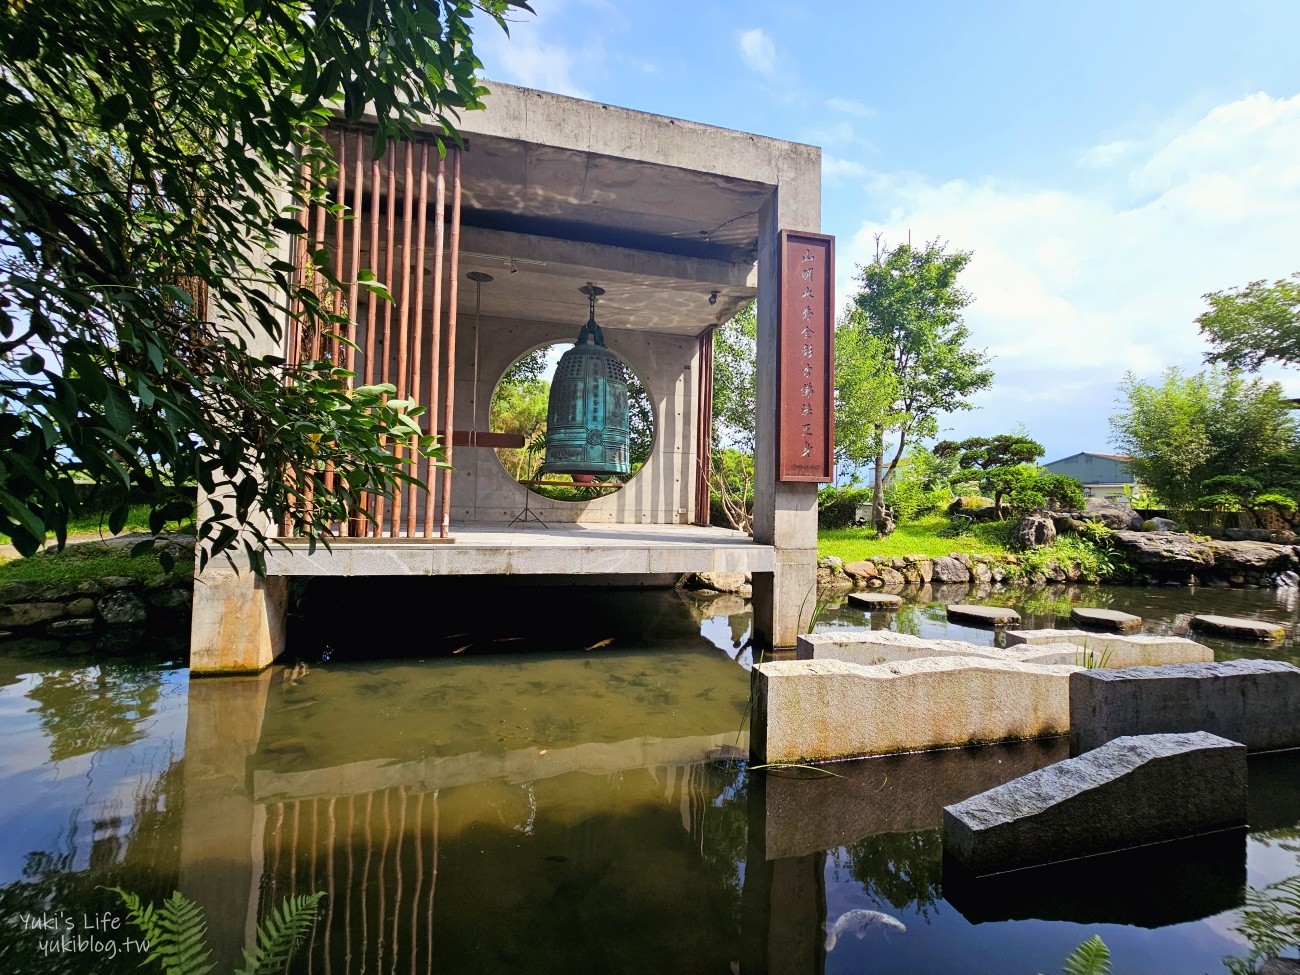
(858, 921)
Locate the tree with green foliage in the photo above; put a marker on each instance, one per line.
(145, 156)
(986, 453)
(1255, 324)
(910, 300)
(1024, 487)
(735, 352)
(865, 393)
(1189, 429)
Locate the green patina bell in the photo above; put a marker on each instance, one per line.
(588, 430)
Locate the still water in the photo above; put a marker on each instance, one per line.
(559, 786)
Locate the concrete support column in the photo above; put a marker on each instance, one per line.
(238, 622)
(785, 514)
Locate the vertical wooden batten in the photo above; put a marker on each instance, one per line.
(453, 282)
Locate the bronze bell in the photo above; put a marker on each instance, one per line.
(588, 429)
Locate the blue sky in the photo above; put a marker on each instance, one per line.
(1107, 164)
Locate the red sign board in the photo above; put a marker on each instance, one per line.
(805, 385)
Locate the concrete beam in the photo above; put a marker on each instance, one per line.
(545, 118)
(1143, 788)
(1255, 702)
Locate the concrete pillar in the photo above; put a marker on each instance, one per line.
(785, 514)
(238, 622)
(221, 834)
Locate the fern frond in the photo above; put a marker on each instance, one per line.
(279, 934)
(181, 948)
(1090, 958)
(175, 932)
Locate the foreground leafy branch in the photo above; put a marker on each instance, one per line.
(152, 159)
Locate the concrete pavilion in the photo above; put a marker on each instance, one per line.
(679, 223)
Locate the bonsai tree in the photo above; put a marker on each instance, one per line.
(1025, 487)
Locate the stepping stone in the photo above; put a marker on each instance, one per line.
(988, 615)
(1106, 619)
(1255, 702)
(875, 600)
(1129, 792)
(1233, 626)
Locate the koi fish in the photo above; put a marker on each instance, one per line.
(858, 921)
(462, 649)
(600, 643)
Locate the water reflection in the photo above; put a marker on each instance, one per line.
(556, 810)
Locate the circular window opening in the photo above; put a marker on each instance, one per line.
(519, 407)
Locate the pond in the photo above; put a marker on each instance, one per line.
(559, 785)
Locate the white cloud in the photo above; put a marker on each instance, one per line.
(835, 168)
(758, 50)
(525, 58)
(1107, 155)
(850, 107)
(1073, 287)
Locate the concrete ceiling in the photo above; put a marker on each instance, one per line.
(660, 240)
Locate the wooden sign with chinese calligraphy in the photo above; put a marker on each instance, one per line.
(805, 397)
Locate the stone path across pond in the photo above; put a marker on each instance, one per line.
(988, 615)
(1234, 626)
(1106, 619)
(875, 600)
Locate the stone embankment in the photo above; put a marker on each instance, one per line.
(110, 613)
(1175, 557)
(915, 571)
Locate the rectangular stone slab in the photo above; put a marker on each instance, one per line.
(984, 615)
(1137, 650)
(1241, 628)
(1255, 702)
(822, 710)
(875, 600)
(871, 647)
(1132, 791)
(1106, 619)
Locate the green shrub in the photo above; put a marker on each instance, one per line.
(1274, 499)
(836, 505)
(1219, 502)
(1239, 486)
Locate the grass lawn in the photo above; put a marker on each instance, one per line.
(919, 537)
(80, 563)
(83, 559)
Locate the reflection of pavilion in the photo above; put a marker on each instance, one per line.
(424, 859)
(589, 854)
